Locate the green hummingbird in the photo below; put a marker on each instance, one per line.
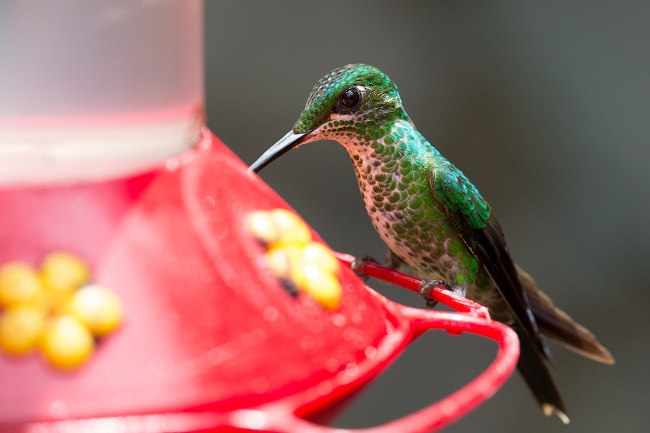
(432, 218)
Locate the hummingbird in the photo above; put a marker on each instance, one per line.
(433, 219)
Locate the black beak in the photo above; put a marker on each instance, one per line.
(283, 145)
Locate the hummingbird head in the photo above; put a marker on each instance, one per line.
(349, 94)
(353, 104)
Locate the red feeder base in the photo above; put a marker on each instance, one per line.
(211, 341)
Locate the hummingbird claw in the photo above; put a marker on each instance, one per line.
(427, 285)
(392, 260)
(431, 304)
(358, 264)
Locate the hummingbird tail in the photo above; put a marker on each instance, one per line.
(534, 369)
(559, 326)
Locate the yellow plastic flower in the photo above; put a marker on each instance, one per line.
(294, 258)
(49, 310)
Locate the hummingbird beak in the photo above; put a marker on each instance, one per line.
(283, 145)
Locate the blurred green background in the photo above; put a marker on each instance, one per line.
(544, 105)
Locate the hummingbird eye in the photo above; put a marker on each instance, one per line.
(351, 97)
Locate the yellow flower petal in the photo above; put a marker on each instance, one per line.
(291, 228)
(98, 308)
(66, 343)
(319, 254)
(19, 284)
(64, 272)
(20, 329)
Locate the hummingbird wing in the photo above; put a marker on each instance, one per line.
(482, 234)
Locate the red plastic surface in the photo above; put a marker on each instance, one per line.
(210, 341)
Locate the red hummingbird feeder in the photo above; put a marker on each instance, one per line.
(210, 339)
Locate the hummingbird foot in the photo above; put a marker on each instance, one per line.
(357, 266)
(426, 286)
(393, 261)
